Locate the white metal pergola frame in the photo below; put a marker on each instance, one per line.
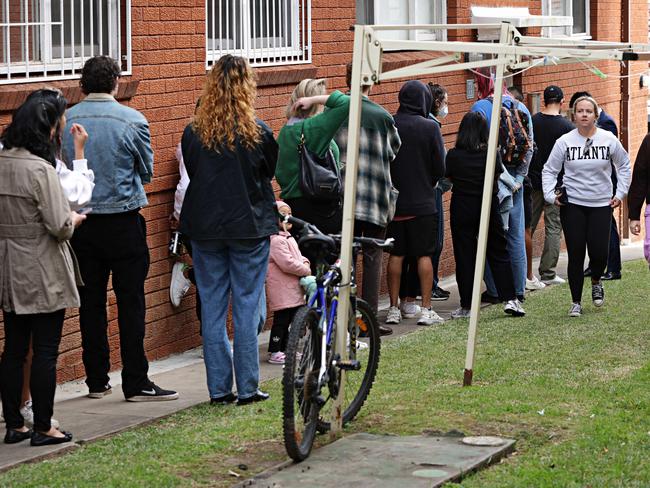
(513, 51)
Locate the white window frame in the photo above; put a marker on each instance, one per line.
(567, 9)
(52, 65)
(268, 50)
(366, 15)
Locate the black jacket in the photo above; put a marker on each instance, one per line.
(639, 191)
(230, 194)
(420, 162)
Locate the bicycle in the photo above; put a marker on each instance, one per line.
(311, 366)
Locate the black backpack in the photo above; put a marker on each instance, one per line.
(514, 140)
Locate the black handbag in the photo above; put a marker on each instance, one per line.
(320, 177)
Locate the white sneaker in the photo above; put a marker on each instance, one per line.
(575, 310)
(429, 317)
(534, 284)
(394, 316)
(409, 309)
(277, 357)
(461, 313)
(179, 284)
(556, 280)
(514, 308)
(28, 414)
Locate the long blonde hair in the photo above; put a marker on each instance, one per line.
(308, 87)
(226, 111)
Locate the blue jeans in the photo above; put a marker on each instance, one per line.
(225, 269)
(516, 246)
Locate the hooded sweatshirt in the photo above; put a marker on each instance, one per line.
(420, 162)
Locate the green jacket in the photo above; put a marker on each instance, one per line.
(319, 132)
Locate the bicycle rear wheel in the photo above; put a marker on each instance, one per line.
(364, 328)
(300, 384)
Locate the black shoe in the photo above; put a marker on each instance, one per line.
(487, 298)
(438, 295)
(224, 400)
(39, 439)
(598, 294)
(587, 272)
(14, 436)
(100, 392)
(442, 291)
(521, 298)
(152, 393)
(259, 396)
(611, 276)
(384, 331)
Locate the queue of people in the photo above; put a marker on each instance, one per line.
(86, 221)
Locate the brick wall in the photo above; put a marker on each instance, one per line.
(169, 64)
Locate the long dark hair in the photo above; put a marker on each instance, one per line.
(438, 93)
(32, 124)
(473, 133)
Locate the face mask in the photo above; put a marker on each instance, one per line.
(444, 111)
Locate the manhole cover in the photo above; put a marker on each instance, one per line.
(483, 440)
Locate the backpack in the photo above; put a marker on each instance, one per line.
(514, 140)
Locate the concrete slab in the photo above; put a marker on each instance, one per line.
(386, 461)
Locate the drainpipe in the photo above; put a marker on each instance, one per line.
(626, 21)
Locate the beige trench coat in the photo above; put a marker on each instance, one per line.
(38, 270)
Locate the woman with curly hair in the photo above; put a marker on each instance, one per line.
(228, 214)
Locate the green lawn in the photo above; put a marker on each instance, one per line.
(573, 392)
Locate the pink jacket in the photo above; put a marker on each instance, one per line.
(286, 267)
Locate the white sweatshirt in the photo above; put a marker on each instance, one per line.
(587, 168)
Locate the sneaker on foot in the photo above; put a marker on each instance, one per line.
(276, 358)
(394, 316)
(409, 309)
(575, 310)
(442, 291)
(556, 280)
(598, 294)
(429, 317)
(152, 393)
(100, 392)
(514, 308)
(28, 414)
(439, 295)
(179, 284)
(258, 396)
(461, 313)
(534, 284)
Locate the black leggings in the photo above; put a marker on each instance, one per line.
(45, 332)
(585, 227)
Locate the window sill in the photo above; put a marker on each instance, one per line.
(14, 95)
(284, 75)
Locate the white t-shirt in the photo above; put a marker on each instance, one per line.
(587, 163)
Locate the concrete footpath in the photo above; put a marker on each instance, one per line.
(91, 419)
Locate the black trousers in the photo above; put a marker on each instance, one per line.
(465, 216)
(280, 328)
(327, 216)
(117, 244)
(585, 228)
(45, 331)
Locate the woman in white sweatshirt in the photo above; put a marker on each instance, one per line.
(584, 195)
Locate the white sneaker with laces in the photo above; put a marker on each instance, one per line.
(394, 316)
(28, 414)
(179, 284)
(534, 284)
(409, 309)
(556, 280)
(461, 313)
(575, 310)
(429, 317)
(514, 308)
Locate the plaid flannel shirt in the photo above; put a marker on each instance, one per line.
(379, 142)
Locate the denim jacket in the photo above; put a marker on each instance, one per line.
(118, 151)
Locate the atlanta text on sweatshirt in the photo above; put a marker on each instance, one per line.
(587, 168)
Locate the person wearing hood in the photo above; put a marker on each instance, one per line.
(415, 172)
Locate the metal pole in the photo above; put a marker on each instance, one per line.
(485, 210)
(348, 221)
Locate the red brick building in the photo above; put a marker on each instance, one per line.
(165, 47)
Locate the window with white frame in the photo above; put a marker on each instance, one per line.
(578, 9)
(51, 39)
(393, 12)
(267, 32)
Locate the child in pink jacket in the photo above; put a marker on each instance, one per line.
(283, 290)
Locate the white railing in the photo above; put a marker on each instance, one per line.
(47, 40)
(267, 32)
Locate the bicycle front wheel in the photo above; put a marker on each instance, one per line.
(300, 384)
(364, 346)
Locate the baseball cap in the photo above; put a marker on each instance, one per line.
(553, 93)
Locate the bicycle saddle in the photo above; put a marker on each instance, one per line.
(317, 247)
